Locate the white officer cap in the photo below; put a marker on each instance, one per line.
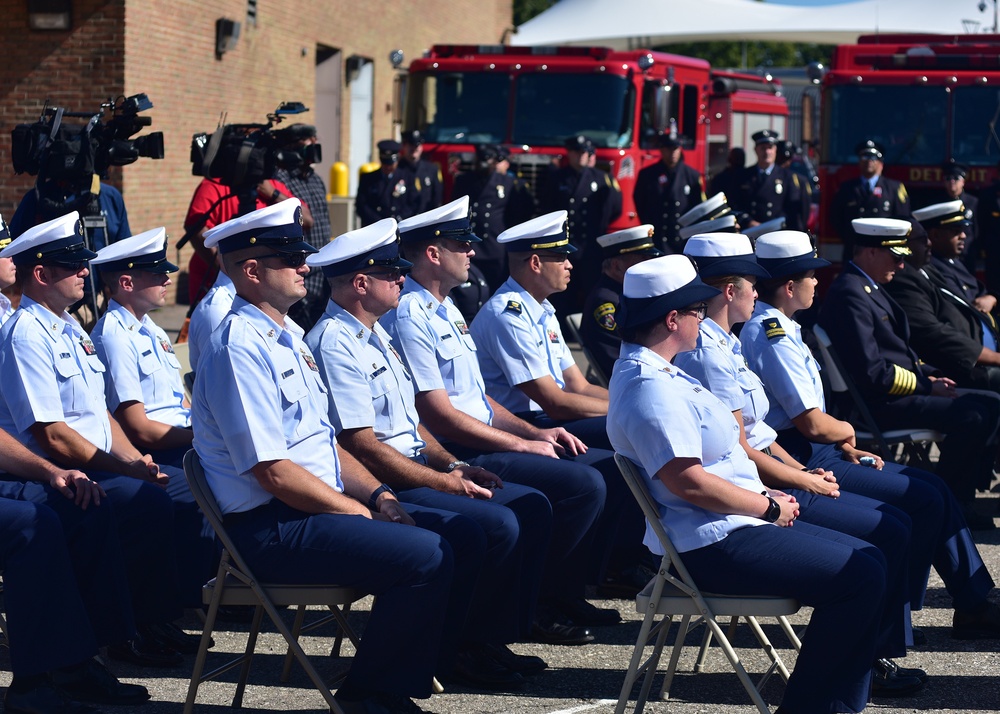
(784, 253)
(718, 254)
(545, 233)
(5, 238)
(146, 251)
(716, 225)
(57, 241)
(631, 240)
(448, 221)
(356, 251)
(715, 207)
(654, 287)
(950, 214)
(278, 227)
(755, 232)
(888, 233)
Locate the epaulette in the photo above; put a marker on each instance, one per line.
(416, 184)
(901, 193)
(614, 184)
(513, 306)
(440, 178)
(604, 316)
(795, 179)
(773, 329)
(904, 382)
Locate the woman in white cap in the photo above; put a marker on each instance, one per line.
(726, 262)
(733, 533)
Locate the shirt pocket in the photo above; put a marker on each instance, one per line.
(148, 363)
(448, 348)
(72, 386)
(293, 391)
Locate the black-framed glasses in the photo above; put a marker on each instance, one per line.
(391, 275)
(290, 260)
(700, 310)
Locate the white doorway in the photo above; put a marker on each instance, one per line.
(326, 113)
(361, 78)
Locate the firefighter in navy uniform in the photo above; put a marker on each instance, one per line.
(667, 190)
(425, 175)
(872, 195)
(389, 192)
(766, 191)
(592, 200)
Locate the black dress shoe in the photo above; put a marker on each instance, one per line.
(42, 699)
(555, 630)
(982, 623)
(889, 682)
(582, 612)
(91, 682)
(903, 671)
(476, 668)
(626, 583)
(145, 653)
(170, 635)
(522, 664)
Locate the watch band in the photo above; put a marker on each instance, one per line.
(455, 464)
(384, 488)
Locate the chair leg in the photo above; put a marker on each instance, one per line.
(675, 656)
(706, 642)
(300, 615)
(632, 673)
(741, 671)
(776, 662)
(241, 685)
(786, 626)
(206, 637)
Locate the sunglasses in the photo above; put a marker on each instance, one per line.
(391, 275)
(291, 260)
(73, 267)
(700, 310)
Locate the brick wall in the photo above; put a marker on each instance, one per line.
(167, 50)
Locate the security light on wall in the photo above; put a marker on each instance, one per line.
(227, 33)
(49, 14)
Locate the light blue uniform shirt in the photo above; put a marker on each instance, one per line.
(208, 315)
(719, 365)
(259, 397)
(369, 386)
(784, 363)
(6, 310)
(438, 349)
(657, 413)
(142, 366)
(519, 341)
(50, 372)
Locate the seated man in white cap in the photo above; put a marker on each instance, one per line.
(54, 403)
(273, 463)
(872, 337)
(371, 404)
(620, 251)
(451, 401)
(208, 315)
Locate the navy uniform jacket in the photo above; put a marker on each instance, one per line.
(663, 195)
(947, 331)
(598, 328)
(725, 182)
(591, 197)
(764, 197)
(426, 179)
(958, 278)
(871, 334)
(386, 196)
(853, 200)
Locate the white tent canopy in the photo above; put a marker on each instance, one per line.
(629, 24)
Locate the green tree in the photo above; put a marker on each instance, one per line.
(524, 10)
(752, 54)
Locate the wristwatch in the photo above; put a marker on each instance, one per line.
(384, 488)
(773, 512)
(455, 464)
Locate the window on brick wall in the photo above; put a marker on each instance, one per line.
(252, 13)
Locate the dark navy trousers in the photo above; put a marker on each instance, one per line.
(408, 568)
(47, 620)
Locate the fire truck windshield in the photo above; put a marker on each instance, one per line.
(472, 107)
(975, 137)
(910, 122)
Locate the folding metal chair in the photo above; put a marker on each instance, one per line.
(3, 622)
(235, 584)
(672, 592)
(594, 372)
(913, 444)
(181, 352)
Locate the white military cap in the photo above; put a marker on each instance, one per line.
(630, 240)
(950, 214)
(57, 241)
(545, 233)
(718, 254)
(888, 233)
(448, 221)
(654, 287)
(146, 251)
(715, 207)
(723, 223)
(783, 253)
(356, 251)
(278, 226)
(755, 232)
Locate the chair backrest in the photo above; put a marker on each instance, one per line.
(594, 370)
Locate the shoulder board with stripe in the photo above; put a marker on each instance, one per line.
(773, 329)
(513, 306)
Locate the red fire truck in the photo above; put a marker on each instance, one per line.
(925, 98)
(531, 99)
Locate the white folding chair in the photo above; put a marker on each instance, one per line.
(914, 444)
(594, 372)
(672, 592)
(235, 584)
(181, 352)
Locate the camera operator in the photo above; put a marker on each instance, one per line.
(214, 203)
(300, 149)
(51, 198)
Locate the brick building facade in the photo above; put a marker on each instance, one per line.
(294, 50)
